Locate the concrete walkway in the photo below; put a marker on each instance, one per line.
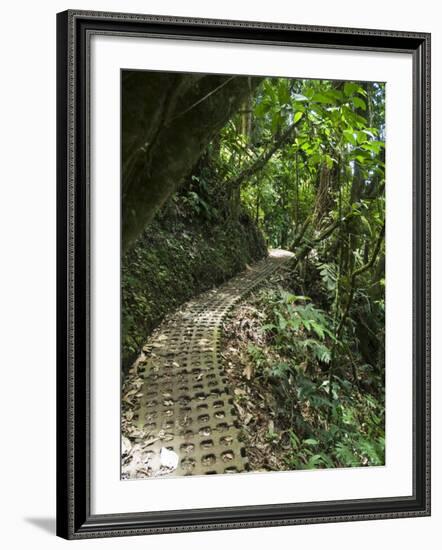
(178, 416)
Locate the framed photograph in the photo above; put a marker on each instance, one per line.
(243, 274)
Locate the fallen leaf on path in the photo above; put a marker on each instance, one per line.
(248, 370)
(126, 445)
(248, 418)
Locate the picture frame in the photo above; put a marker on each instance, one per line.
(75, 517)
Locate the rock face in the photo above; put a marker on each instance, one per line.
(174, 260)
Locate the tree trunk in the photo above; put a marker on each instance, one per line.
(168, 120)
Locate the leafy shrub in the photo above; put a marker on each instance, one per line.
(331, 421)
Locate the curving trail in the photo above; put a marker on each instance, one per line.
(178, 416)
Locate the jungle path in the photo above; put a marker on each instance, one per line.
(178, 416)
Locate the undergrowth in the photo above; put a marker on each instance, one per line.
(311, 413)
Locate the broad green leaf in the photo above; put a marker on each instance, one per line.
(300, 97)
(359, 103)
(311, 442)
(351, 88)
(297, 117)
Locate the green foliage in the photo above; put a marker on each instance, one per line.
(331, 421)
(340, 132)
(299, 327)
(320, 193)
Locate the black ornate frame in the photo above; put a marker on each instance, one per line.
(74, 519)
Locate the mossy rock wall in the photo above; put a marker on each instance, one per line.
(173, 261)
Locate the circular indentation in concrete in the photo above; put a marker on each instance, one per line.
(208, 460)
(188, 464)
(227, 456)
(226, 440)
(187, 448)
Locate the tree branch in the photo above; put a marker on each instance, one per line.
(323, 235)
(301, 233)
(264, 158)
